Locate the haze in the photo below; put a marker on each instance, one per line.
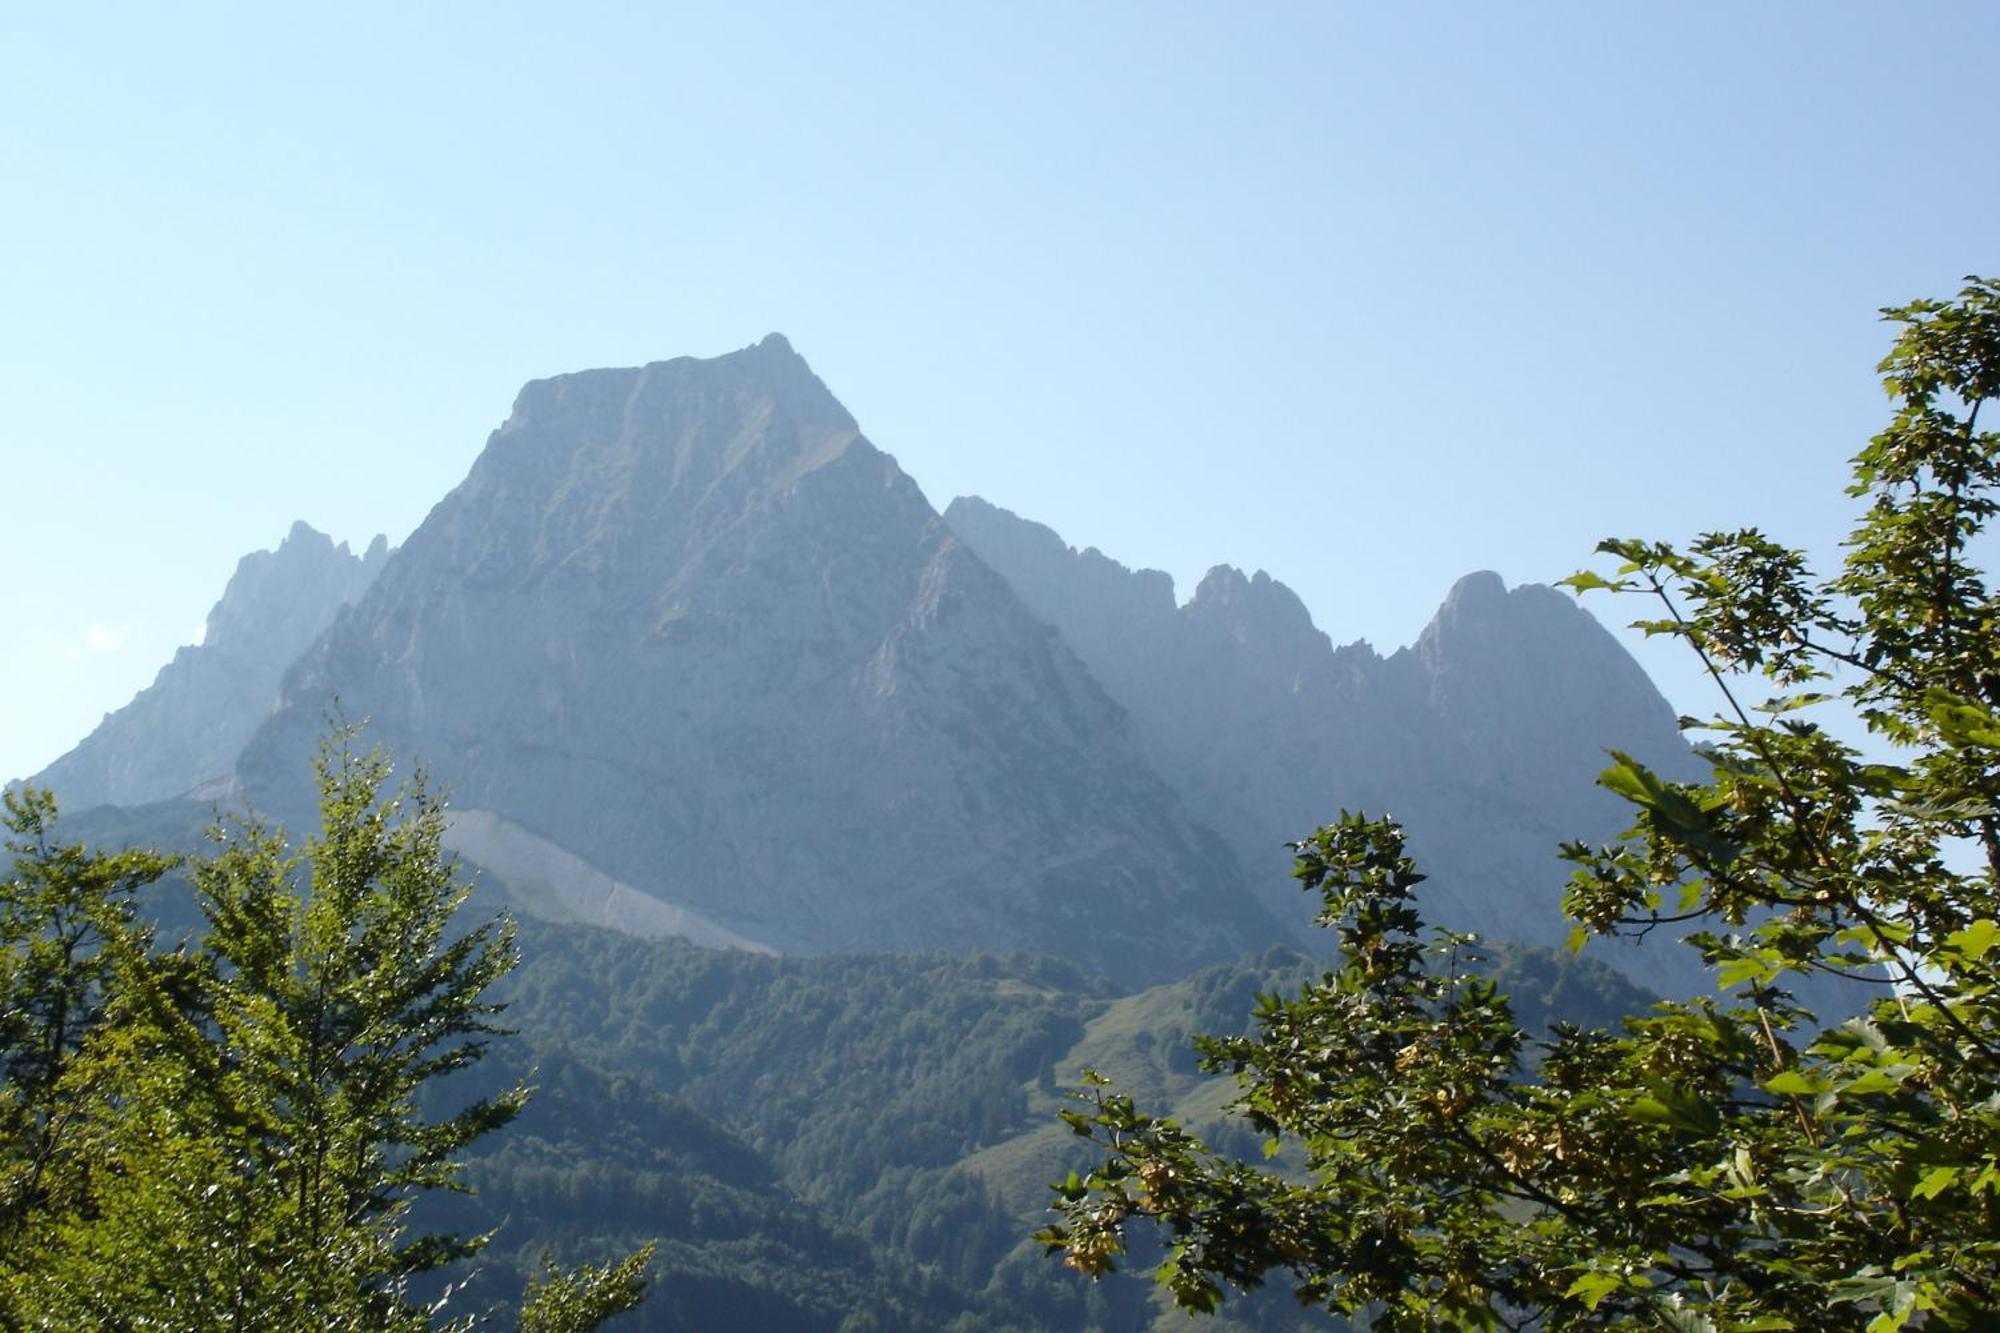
(1366, 298)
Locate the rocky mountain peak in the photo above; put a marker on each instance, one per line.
(1258, 609)
(186, 729)
(1480, 591)
(1483, 737)
(1027, 543)
(682, 621)
(288, 594)
(1223, 585)
(1491, 650)
(624, 471)
(593, 406)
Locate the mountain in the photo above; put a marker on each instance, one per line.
(1483, 737)
(685, 623)
(188, 727)
(696, 659)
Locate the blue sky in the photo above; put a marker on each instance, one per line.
(1367, 296)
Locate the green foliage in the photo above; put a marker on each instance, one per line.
(578, 1300)
(1727, 1163)
(230, 1134)
(904, 1101)
(599, 1163)
(63, 910)
(888, 1120)
(839, 1068)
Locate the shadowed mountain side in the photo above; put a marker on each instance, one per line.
(686, 623)
(188, 726)
(1484, 737)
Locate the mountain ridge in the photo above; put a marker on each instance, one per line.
(189, 725)
(686, 625)
(1483, 737)
(685, 621)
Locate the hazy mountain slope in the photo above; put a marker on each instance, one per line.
(1484, 736)
(686, 623)
(189, 725)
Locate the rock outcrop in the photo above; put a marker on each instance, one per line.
(187, 728)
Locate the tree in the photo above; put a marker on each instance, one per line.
(58, 914)
(1723, 1163)
(243, 1114)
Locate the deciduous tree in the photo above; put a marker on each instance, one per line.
(1723, 1163)
(241, 1118)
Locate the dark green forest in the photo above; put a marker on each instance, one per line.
(856, 1141)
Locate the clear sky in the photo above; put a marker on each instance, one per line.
(1369, 296)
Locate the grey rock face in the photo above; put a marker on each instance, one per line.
(695, 658)
(1484, 737)
(187, 728)
(686, 623)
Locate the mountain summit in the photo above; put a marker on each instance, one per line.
(187, 728)
(685, 622)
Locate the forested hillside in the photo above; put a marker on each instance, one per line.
(834, 1142)
(905, 1102)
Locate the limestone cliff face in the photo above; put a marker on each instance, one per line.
(1484, 737)
(187, 728)
(686, 623)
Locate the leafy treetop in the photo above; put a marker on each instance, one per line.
(229, 1135)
